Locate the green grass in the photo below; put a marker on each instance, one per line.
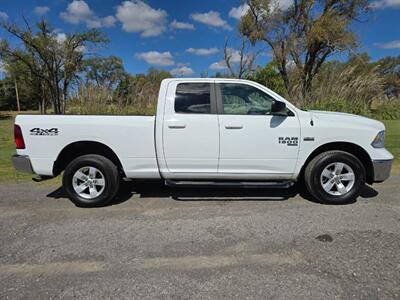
(392, 142)
(7, 147)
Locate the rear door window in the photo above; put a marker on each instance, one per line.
(193, 98)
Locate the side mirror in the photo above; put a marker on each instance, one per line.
(278, 108)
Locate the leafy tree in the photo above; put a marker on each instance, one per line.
(105, 71)
(53, 61)
(141, 91)
(204, 74)
(302, 36)
(389, 68)
(19, 90)
(157, 75)
(270, 77)
(11, 72)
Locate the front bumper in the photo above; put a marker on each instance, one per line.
(382, 169)
(22, 163)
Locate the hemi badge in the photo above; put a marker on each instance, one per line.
(308, 139)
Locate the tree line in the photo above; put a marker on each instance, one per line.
(59, 71)
(62, 73)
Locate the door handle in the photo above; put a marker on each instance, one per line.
(177, 126)
(233, 127)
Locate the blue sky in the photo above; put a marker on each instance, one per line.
(184, 36)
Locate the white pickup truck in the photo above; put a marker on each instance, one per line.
(207, 132)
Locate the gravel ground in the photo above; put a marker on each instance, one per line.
(157, 242)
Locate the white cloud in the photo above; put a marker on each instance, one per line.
(183, 64)
(202, 51)
(211, 18)
(157, 58)
(78, 11)
(82, 49)
(182, 71)
(109, 21)
(220, 65)
(238, 12)
(137, 16)
(61, 37)
(390, 45)
(3, 16)
(234, 59)
(281, 4)
(181, 25)
(385, 4)
(235, 55)
(41, 10)
(290, 65)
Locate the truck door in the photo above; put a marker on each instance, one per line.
(190, 128)
(253, 141)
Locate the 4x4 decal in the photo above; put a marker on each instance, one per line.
(41, 131)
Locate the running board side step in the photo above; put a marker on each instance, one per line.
(240, 184)
(40, 178)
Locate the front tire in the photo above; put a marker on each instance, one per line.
(91, 180)
(335, 177)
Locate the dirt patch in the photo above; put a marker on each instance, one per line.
(204, 262)
(51, 268)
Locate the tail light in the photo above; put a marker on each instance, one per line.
(18, 138)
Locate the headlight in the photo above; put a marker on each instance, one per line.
(379, 140)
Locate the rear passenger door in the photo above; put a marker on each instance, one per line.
(190, 128)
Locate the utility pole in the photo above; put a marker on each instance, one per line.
(16, 93)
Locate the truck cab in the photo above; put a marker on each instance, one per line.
(226, 129)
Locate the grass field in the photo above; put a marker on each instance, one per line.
(392, 142)
(7, 147)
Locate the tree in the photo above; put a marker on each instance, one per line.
(108, 72)
(303, 35)
(141, 91)
(18, 88)
(204, 74)
(54, 60)
(12, 71)
(156, 76)
(389, 68)
(269, 76)
(239, 61)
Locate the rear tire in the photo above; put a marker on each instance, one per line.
(91, 180)
(335, 177)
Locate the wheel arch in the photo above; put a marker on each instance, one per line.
(79, 148)
(351, 148)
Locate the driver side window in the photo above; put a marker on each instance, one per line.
(243, 99)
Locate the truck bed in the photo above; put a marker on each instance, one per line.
(130, 137)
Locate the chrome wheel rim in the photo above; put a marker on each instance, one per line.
(337, 179)
(88, 182)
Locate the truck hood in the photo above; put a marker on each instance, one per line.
(345, 118)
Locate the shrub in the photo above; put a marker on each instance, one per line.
(347, 88)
